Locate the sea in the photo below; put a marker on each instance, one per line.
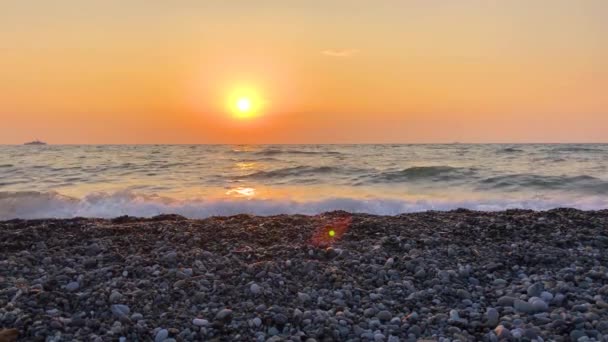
(198, 181)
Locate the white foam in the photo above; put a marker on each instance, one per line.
(31, 205)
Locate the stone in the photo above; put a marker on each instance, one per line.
(257, 321)
(464, 294)
(535, 289)
(72, 286)
(120, 310)
(115, 297)
(546, 296)
(303, 297)
(524, 307)
(224, 315)
(280, 319)
(502, 333)
(492, 317)
(506, 301)
(199, 322)
(538, 305)
(255, 289)
(161, 335)
(384, 315)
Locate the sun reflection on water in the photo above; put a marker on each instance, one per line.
(241, 192)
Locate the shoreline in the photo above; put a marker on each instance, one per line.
(460, 274)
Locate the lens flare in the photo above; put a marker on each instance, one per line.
(331, 232)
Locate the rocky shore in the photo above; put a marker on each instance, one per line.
(442, 276)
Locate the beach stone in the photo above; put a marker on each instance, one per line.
(492, 317)
(546, 296)
(384, 315)
(255, 289)
(454, 316)
(120, 310)
(137, 317)
(369, 312)
(170, 257)
(93, 249)
(115, 297)
(224, 315)
(72, 286)
(199, 322)
(161, 335)
(303, 297)
(506, 301)
(379, 337)
(575, 335)
(464, 294)
(538, 305)
(524, 307)
(280, 319)
(257, 322)
(517, 333)
(502, 333)
(414, 330)
(535, 290)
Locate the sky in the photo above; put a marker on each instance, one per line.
(317, 71)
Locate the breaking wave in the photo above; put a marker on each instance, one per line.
(582, 183)
(32, 205)
(436, 173)
(299, 171)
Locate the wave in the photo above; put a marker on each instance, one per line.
(510, 150)
(578, 149)
(34, 205)
(583, 183)
(296, 171)
(419, 173)
(6, 165)
(272, 151)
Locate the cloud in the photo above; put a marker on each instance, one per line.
(340, 53)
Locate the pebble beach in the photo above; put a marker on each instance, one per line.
(515, 275)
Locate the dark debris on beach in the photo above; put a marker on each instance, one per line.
(516, 275)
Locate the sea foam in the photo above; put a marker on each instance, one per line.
(34, 205)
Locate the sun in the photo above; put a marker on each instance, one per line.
(245, 103)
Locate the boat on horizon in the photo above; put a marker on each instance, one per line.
(35, 142)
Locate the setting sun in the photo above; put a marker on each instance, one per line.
(245, 103)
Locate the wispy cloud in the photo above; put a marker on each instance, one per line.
(340, 53)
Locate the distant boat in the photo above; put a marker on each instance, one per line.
(35, 142)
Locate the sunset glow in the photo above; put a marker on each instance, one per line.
(245, 103)
(340, 71)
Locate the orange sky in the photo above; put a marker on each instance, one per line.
(351, 71)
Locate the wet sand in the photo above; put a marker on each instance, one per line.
(458, 275)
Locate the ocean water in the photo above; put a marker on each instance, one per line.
(205, 180)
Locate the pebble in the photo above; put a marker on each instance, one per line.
(392, 280)
(72, 286)
(506, 301)
(257, 322)
(199, 322)
(303, 297)
(161, 335)
(120, 310)
(535, 290)
(115, 297)
(224, 315)
(384, 315)
(255, 289)
(492, 317)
